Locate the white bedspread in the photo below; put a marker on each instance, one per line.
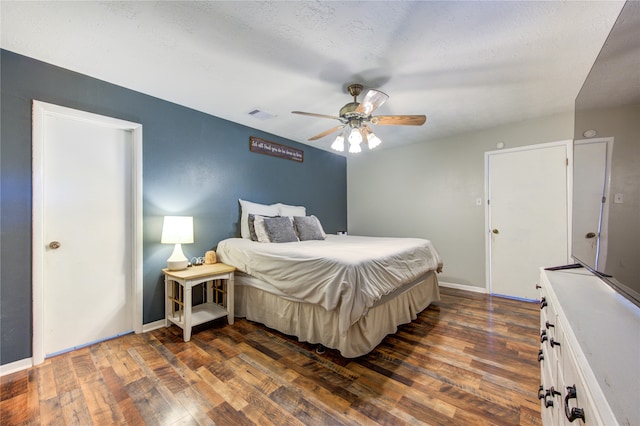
(343, 273)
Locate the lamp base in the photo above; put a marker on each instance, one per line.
(177, 265)
(177, 261)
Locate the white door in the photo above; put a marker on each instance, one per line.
(527, 216)
(85, 230)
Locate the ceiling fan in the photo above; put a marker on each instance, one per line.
(356, 117)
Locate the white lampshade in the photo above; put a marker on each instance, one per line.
(177, 230)
(355, 137)
(338, 144)
(373, 140)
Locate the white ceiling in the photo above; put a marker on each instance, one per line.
(465, 65)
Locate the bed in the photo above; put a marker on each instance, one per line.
(343, 292)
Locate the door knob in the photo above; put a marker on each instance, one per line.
(54, 245)
(590, 235)
(495, 231)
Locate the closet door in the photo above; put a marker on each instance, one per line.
(527, 216)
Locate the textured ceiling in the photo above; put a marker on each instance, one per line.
(465, 65)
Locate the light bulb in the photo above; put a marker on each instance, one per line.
(373, 140)
(354, 147)
(355, 137)
(338, 144)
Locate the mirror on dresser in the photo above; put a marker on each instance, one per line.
(606, 192)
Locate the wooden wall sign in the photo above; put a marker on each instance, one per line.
(262, 146)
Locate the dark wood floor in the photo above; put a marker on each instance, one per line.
(469, 359)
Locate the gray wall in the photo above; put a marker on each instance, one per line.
(429, 190)
(193, 164)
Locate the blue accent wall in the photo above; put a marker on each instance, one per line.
(193, 164)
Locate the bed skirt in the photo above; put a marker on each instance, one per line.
(314, 324)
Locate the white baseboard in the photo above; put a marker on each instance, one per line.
(14, 367)
(464, 287)
(23, 364)
(153, 325)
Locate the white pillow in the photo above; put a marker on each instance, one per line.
(286, 210)
(247, 208)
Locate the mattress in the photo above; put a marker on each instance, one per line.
(345, 275)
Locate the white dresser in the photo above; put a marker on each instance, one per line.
(589, 351)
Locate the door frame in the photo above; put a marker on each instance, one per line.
(487, 211)
(40, 111)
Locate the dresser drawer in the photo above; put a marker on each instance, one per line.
(589, 366)
(577, 401)
(549, 395)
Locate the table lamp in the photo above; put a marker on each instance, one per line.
(177, 230)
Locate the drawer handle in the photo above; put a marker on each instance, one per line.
(553, 343)
(543, 302)
(541, 392)
(538, 286)
(543, 336)
(548, 402)
(540, 356)
(551, 392)
(573, 413)
(548, 325)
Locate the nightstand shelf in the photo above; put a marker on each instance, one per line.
(200, 314)
(219, 286)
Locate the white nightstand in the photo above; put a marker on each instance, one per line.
(219, 295)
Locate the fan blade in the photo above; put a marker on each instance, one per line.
(372, 100)
(399, 120)
(325, 133)
(313, 114)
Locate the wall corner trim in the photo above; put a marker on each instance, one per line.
(154, 325)
(14, 367)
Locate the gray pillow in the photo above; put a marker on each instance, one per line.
(252, 227)
(280, 229)
(307, 228)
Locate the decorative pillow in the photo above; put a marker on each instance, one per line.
(247, 207)
(260, 230)
(308, 228)
(324, 234)
(253, 218)
(286, 210)
(280, 229)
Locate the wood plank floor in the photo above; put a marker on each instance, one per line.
(469, 359)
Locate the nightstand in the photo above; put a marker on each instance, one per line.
(218, 281)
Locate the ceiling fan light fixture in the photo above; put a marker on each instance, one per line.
(338, 144)
(373, 140)
(356, 116)
(355, 137)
